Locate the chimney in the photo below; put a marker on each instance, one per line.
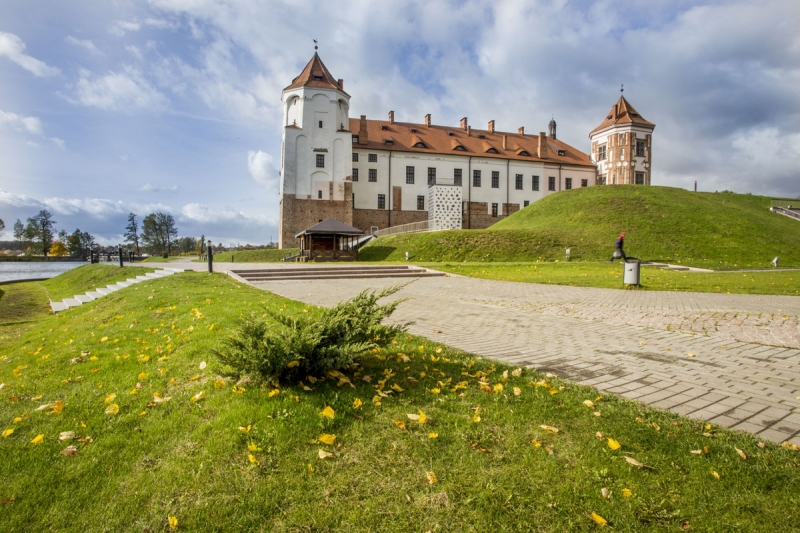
(469, 131)
(521, 131)
(391, 117)
(363, 138)
(505, 141)
(341, 84)
(428, 120)
(542, 145)
(491, 126)
(464, 123)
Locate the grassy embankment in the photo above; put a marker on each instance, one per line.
(720, 231)
(609, 276)
(126, 367)
(88, 278)
(255, 256)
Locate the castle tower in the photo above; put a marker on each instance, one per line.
(622, 146)
(316, 152)
(552, 128)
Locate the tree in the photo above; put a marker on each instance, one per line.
(59, 249)
(80, 243)
(19, 230)
(187, 244)
(2, 225)
(159, 232)
(40, 230)
(132, 231)
(200, 247)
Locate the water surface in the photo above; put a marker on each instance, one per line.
(19, 270)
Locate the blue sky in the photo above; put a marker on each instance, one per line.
(113, 106)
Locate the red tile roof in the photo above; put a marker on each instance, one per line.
(445, 140)
(622, 113)
(315, 74)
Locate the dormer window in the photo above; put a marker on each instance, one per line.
(355, 138)
(562, 152)
(317, 78)
(526, 154)
(460, 148)
(384, 127)
(481, 136)
(413, 130)
(420, 145)
(492, 151)
(450, 133)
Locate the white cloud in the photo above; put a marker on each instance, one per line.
(83, 43)
(13, 48)
(29, 124)
(59, 142)
(125, 91)
(120, 27)
(262, 170)
(147, 187)
(201, 213)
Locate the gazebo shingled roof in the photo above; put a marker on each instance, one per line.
(329, 226)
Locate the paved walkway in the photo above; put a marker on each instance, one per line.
(733, 360)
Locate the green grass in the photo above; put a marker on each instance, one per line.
(160, 259)
(609, 276)
(711, 230)
(22, 302)
(190, 459)
(88, 278)
(255, 256)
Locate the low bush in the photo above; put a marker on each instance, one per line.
(282, 346)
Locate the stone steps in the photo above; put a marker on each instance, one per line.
(90, 296)
(312, 273)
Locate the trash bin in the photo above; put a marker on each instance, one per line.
(631, 273)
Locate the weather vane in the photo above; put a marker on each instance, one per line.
(621, 87)
(315, 45)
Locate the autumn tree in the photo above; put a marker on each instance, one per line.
(39, 229)
(19, 231)
(80, 243)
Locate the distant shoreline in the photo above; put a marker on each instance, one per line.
(37, 259)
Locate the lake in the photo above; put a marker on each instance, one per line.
(18, 270)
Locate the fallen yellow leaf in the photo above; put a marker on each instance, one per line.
(397, 388)
(8, 432)
(245, 429)
(536, 443)
(713, 473)
(112, 409)
(516, 372)
(238, 390)
(292, 364)
(69, 451)
(400, 424)
(38, 439)
(110, 398)
(433, 435)
(328, 412)
(517, 391)
(66, 435)
(741, 453)
(431, 477)
(476, 418)
(498, 387)
(173, 522)
(253, 447)
(327, 439)
(252, 459)
(598, 519)
(627, 493)
(323, 454)
(614, 445)
(551, 429)
(357, 403)
(589, 404)
(199, 396)
(219, 384)
(274, 392)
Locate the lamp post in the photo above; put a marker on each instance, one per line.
(119, 254)
(210, 255)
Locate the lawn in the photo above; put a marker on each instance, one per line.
(609, 276)
(88, 278)
(720, 231)
(160, 432)
(255, 256)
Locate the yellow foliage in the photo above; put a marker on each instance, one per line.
(327, 439)
(328, 412)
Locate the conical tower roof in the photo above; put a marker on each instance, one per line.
(315, 74)
(623, 113)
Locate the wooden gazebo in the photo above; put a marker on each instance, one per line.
(330, 240)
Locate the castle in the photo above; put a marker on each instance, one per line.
(375, 174)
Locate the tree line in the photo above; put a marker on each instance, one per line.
(38, 236)
(157, 234)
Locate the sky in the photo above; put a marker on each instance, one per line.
(115, 106)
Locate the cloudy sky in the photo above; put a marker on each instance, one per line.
(113, 106)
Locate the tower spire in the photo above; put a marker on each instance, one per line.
(621, 87)
(316, 47)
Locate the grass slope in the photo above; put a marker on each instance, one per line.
(87, 278)
(248, 459)
(255, 256)
(609, 276)
(713, 230)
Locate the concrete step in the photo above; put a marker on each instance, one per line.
(352, 275)
(95, 294)
(84, 298)
(105, 291)
(71, 302)
(58, 306)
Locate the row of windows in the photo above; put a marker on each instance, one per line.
(602, 150)
(371, 158)
(476, 179)
(421, 203)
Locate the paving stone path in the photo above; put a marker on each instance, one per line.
(730, 359)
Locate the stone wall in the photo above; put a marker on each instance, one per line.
(363, 219)
(477, 215)
(299, 214)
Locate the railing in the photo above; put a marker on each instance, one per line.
(414, 227)
(794, 213)
(785, 202)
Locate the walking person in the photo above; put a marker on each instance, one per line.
(618, 251)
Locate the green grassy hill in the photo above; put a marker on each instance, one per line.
(255, 256)
(715, 230)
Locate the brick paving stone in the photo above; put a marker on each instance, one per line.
(747, 358)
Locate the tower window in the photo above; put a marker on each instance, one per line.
(320, 123)
(355, 174)
(476, 178)
(431, 176)
(319, 195)
(551, 183)
(495, 179)
(372, 158)
(320, 160)
(421, 203)
(567, 183)
(457, 177)
(601, 152)
(410, 175)
(381, 201)
(373, 175)
(640, 178)
(535, 183)
(526, 203)
(518, 182)
(355, 157)
(494, 210)
(640, 148)
(584, 183)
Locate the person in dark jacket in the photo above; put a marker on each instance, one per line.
(618, 251)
